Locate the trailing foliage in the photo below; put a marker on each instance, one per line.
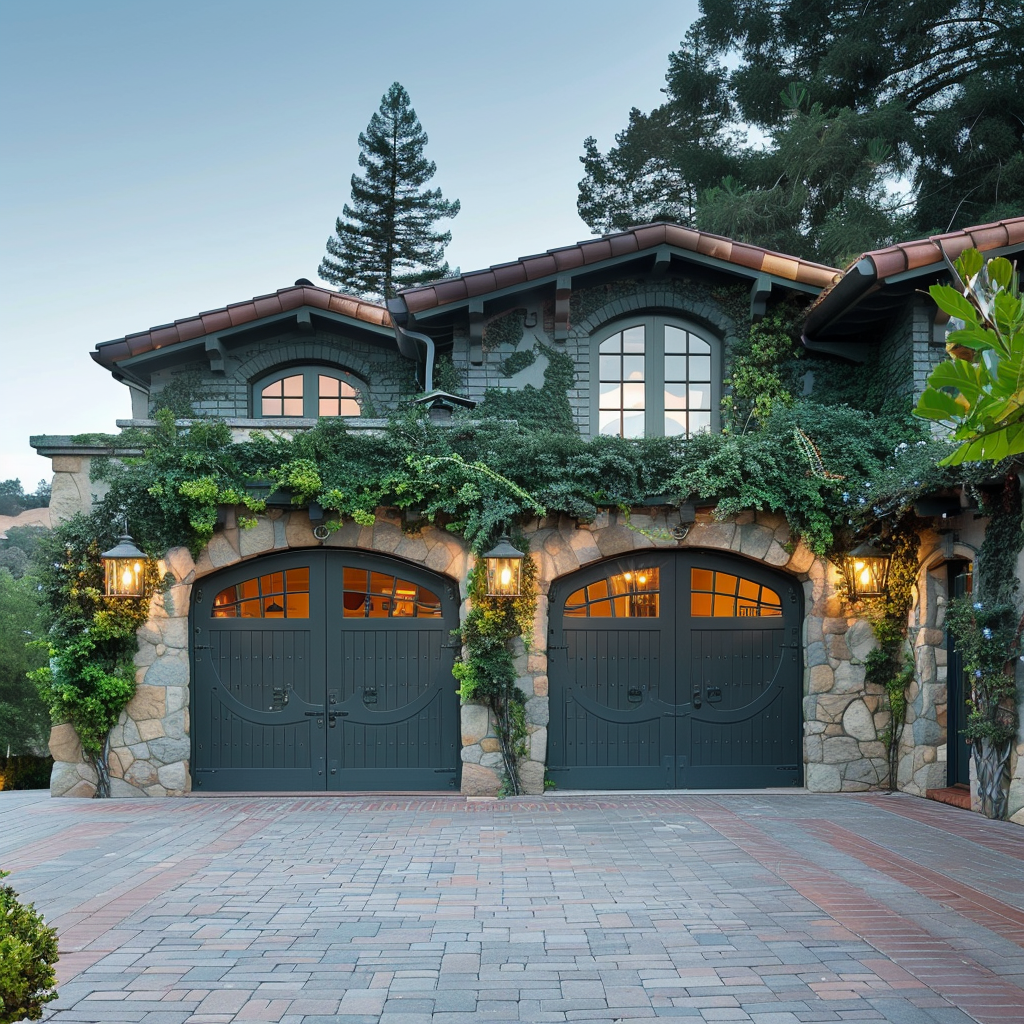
(986, 365)
(485, 669)
(987, 627)
(28, 951)
(891, 665)
(91, 640)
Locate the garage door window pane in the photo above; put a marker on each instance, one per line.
(633, 594)
(723, 595)
(275, 595)
(377, 595)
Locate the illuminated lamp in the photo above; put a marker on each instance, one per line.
(504, 569)
(124, 569)
(867, 571)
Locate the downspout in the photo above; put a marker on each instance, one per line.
(412, 344)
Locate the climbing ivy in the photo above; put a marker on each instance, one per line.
(485, 669)
(91, 640)
(891, 664)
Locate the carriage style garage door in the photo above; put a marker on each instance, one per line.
(675, 670)
(324, 670)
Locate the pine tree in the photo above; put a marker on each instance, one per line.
(865, 122)
(385, 239)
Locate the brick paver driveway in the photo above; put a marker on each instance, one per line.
(771, 908)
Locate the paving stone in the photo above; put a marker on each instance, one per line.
(771, 908)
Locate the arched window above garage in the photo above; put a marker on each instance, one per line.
(306, 391)
(654, 376)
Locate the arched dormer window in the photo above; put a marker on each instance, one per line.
(306, 391)
(654, 376)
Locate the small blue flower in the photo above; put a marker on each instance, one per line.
(977, 606)
(861, 500)
(987, 633)
(977, 673)
(846, 495)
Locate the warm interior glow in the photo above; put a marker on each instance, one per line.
(126, 577)
(642, 580)
(506, 576)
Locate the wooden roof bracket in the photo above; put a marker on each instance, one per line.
(304, 321)
(476, 332)
(563, 292)
(760, 292)
(662, 259)
(215, 354)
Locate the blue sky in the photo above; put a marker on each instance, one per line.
(160, 159)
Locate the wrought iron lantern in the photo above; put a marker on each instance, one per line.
(867, 571)
(504, 569)
(124, 569)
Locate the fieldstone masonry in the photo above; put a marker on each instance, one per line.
(844, 717)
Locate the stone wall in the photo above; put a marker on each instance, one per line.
(844, 718)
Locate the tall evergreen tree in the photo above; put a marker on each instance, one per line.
(867, 121)
(386, 239)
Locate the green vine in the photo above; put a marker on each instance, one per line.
(91, 642)
(485, 670)
(987, 627)
(891, 665)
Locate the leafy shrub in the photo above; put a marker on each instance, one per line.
(25, 771)
(28, 951)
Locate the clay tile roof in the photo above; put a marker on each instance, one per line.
(852, 289)
(109, 353)
(623, 243)
(924, 252)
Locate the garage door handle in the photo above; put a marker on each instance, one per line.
(314, 714)
(696, 698)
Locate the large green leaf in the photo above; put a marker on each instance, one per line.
(950, 301)
(938, 405)
(968, 264)
(967, 378)
(1000, 270)
(989, 447)
(973, 336)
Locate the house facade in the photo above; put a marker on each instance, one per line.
(671, 649)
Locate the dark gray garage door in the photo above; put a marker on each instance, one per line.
(675, 670)
(324, 670)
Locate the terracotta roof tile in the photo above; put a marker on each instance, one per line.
(568, 259)
(1014, 230)
(508, 274)
(751, 256)
(480, 283)
(596, 250)
(924, 252)
(218, 320)
(623, 243)
(992, 237)
(422, 298)
(539, 266)
(111, 352)
(683, 238)
(889, 262)
(712, 245)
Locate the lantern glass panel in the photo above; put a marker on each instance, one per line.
(867, 574)
(124, 577)
(504, 577)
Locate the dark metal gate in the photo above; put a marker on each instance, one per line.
(324, 669)
(675, 670)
